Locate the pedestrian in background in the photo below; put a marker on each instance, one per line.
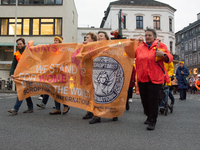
(17, 55)
(181, 73)
(192, 84)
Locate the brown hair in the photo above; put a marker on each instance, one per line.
(21, 39)
(105, 33)
(60, 38)
(93, 35)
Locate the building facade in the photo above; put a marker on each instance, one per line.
(188, 46)
(138, 15)
(37, 20)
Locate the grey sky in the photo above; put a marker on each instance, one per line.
(91, 12)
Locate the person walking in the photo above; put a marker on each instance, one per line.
(192, 84)
(150, 74)
(170, 70)
(90, 37)
(57, 111)
(130, 89)
(102, 36)
(17, 55)
(181, 73)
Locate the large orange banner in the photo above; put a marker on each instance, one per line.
(93, 76)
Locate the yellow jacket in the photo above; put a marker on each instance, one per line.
(170, 70)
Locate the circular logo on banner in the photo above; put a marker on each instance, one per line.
(108, 79)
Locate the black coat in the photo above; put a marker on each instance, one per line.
(15, 62)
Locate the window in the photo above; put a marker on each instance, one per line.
(32, 2)
(195, 58)
(190, 59)
(199, 41)
(139, 22)
(124, 22)
(156, 22)
(182, 55)
(37, 26)
(186, 46)
(194, 44)
(171, 47)
(190, 45)
(199, 58)
(6, 53)
(170, 24)
(186, 60)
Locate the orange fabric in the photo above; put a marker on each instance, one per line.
(197, 84)
(17, 55)
(93, 76)
(146, 67)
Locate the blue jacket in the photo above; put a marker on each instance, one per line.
(179, 77)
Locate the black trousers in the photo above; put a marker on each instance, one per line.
(182, 93)
(149, 94)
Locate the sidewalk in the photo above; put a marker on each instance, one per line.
(7, 91)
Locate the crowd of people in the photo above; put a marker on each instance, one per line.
(154, 68)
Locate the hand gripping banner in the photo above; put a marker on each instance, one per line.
(94, 76)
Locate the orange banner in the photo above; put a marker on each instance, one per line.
(93, 76)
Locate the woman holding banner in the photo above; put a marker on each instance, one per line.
(102, 36)
(17, 55)
(90, 37)
(151, 74)
(57, 111)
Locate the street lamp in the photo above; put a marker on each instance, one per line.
(15, 37)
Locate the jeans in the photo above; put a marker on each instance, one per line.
(58, 105)
(171, 97)
(28, 101)
(192, 89)
(45, 99)
(165, 94)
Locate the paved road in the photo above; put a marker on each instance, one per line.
(40, 131)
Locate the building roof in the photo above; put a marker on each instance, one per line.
(140, 3)
(134, 3)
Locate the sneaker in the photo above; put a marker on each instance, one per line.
(55, 112)
(94, 120)
(115, 119)
(162, 110)
(28, 111)
(40, 98)
(151, 126)
(12, 111)
(42, 105)
(88, 115)
(130, 100)
(127, 105)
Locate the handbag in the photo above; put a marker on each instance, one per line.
(185, 80)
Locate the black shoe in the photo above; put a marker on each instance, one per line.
(127, 105)
(115, 119)
(151, 126)
(94, 120)
(147, 121)
(162, 110)
(88, 115)
(181, 98)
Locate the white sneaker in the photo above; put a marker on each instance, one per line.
(40, 98)
(130, 100)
